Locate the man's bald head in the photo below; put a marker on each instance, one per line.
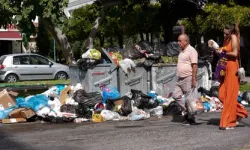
(183, 41)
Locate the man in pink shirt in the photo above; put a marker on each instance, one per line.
(186, 73)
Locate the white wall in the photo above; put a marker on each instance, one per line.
(74, 4)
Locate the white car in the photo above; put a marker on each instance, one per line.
(15, 67)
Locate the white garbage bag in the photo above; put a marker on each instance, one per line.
(110, 115)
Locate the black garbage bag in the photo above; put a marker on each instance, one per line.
(203, 91)
(83, 111)
(126, 109)
(171, 49)
(86, 63)
(154, 57)
(145, 45)
(142, 100)
(110, 105)
(246, 96)
(148, 63)
(52, 119)
(68, 108)
(173, 108)
(131, 52)
(88, 99)
(214, 91)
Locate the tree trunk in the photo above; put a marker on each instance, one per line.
(101, 38)
(61, 39)
(111, 41)
(89, 42)
(120, 41)
(151, 37)
(142, 37)
(196, 29)
(147, 36)
(167, 33)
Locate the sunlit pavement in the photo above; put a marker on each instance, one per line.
(154, 133)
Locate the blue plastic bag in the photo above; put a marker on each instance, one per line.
(34, 102)
(206, 106)
(60, 88)
(109, 93)
(152, 94)
(5, 113)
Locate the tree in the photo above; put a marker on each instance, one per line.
(42, 40)
(50, 12)
(217, 16)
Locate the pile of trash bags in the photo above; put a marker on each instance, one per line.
(63, 104)
(143, 54)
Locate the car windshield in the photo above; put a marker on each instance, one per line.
(2, 59)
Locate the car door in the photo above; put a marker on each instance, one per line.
(21, 66)
(43, 69)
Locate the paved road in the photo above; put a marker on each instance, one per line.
(152, 134)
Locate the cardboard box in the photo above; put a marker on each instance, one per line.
(28, 113)
(64, 95)
(22, 113)
(13, 120)
(7, 99)
(16, 113)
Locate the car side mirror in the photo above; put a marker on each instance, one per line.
(50, 64)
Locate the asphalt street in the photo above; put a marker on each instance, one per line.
(153, 134)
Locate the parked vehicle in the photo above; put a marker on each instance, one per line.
(15, 67)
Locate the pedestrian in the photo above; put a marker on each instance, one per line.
(186, 74)
(232, 111)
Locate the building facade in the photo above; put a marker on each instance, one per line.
(11, 40)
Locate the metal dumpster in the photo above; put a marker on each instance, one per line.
(135, 79)
(163, 78)
(95, 76)
(204, 75)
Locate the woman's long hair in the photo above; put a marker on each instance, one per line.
(234, 28)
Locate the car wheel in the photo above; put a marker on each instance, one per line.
(11, 78)
(61, 76)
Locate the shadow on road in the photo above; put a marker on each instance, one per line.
(216, 122)
(9, 144)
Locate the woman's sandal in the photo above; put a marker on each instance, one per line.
(227, 128)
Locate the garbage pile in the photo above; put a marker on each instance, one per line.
(142, 54)
(63, 104)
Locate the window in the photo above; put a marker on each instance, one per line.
(37, 60)
(2, 59)
(21, 60)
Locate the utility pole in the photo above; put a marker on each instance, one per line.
(54, 50)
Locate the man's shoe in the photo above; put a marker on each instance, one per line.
(186, 123)
(192, 121)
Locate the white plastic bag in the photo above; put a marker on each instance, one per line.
(138, 114)
(86, 54)
(157, 111)
(194, 104)
(126, 65)
(215, 45)
(110, 115)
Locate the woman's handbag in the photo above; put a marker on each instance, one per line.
(221, 66)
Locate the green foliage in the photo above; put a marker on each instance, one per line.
(26, 10)
(218, 15)
(126, 20)
(81, 23)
